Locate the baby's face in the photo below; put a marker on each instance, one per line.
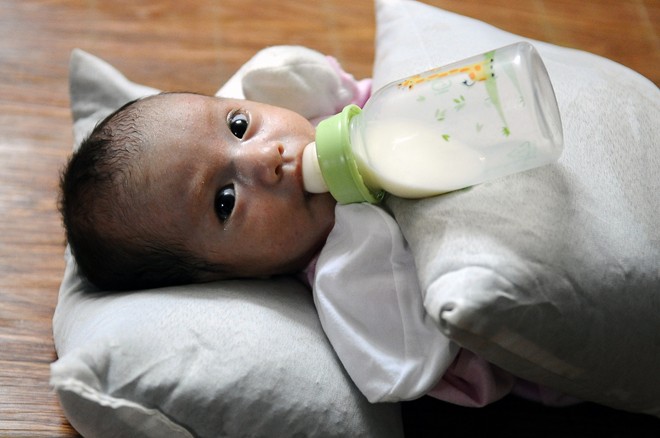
(223, 177)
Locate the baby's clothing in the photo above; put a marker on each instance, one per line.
(371, 308)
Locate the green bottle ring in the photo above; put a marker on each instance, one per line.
(337, 161)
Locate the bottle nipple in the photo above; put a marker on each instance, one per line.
(311, 171)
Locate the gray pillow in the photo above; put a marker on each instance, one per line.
(552, 274)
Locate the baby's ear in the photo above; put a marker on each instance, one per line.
(294, 77)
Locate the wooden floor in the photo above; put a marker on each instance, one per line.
(194, 45)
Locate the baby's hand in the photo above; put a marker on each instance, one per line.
(297, 78)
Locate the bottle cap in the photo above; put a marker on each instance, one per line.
(337, 162)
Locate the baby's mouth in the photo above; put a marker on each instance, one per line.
(299, 175)
(291, 168)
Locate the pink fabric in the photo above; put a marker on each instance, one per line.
(356, 92)
(307, 274)
(471, 381)
(361, 90)
(547, 396)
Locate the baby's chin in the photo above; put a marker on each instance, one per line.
(324, 199)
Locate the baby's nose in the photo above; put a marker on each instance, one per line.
(265, 162)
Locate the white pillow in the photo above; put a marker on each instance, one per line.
(234, 358)
(552, 274)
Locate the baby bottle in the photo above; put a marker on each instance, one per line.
(438, 131)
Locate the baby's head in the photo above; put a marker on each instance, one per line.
(179, 188)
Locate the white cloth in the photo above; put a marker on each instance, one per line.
(371, 308)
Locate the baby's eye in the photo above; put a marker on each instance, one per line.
(224, 202)
(238, 124)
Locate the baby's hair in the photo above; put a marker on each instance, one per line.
(113, 250)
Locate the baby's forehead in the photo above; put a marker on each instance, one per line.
(168, 108)
(157, 105)
(167, 100)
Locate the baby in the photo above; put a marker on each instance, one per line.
(179, 188)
